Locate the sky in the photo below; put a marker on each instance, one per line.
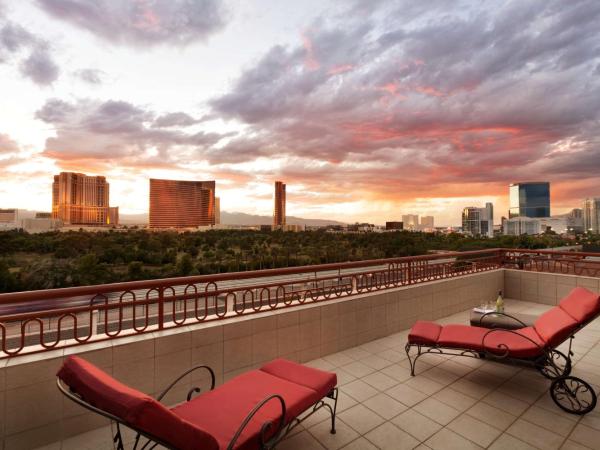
(367, 110)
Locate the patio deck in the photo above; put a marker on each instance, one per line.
(452, 402)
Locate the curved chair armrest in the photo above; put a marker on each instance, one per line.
(505, 347)
(493, 313)
(66, 390)
(266, 427)
(195, 389)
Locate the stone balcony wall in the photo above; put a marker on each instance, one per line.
(542, 287)
(33, 413)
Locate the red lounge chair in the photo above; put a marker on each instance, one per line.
(255, 410)
(535, 346)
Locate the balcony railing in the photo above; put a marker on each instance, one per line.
(37, 321)
(567, 263)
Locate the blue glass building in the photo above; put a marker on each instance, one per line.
(529, 199)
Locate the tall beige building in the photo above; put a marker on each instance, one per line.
(113, 215)
(478, 221)
(426, 222)
(410, 221)
(591, 215)
(181, 204)
(217, 210)
(279, 209)
(79, 199)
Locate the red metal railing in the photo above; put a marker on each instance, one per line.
(43, 320)
(36, 321)
(568, 263)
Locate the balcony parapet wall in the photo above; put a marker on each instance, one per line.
(541, 287)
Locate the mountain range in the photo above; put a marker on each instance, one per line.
(227, 218)
(238, 218)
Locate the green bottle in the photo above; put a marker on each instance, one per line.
(500, 303)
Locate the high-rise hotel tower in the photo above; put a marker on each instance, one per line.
(279, 209)
(79, 199)
(478, 221)
(531, 199)
(591, 215)
(181, 204)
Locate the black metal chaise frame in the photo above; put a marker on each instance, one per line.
(270, 437)
(572, 394)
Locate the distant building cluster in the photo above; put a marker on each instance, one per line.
(42, 222)
(410, 222)
(79, 200)
(529, 213)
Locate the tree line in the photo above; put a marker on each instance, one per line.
(77, 258)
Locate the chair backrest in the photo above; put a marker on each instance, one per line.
(554, 326)
(581, 304)
(574, 311)
(135, 409)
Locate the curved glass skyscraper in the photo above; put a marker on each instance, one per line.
(529, 199)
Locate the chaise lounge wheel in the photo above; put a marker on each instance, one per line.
(553, 365)
(573, 395)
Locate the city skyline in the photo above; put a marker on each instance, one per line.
(207, 211)
(412, 108)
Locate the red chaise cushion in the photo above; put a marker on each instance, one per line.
(224, 409)
(526, 344)
(554, 326)
(140, 410)
(462, 336)
(581, 304)
(424, 332)
(318, 380)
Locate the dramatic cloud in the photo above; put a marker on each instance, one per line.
(142, 22)
(92, 132)
(7, 145)
(177, 119)
(9, 152)
(40, 67)
(32, 52)
(422, 98)
(91, 76)
(13, 37)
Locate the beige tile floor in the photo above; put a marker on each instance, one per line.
(452, 403)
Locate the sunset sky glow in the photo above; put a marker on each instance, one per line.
(367, 110)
